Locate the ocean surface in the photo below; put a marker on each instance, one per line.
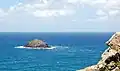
(69, 52)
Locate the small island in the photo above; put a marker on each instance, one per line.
(36, 43)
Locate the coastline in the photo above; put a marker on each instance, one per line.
(110, 59)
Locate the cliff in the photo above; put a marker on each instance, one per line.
(110, 59)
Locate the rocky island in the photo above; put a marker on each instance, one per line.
(110, 59)
(36, 43)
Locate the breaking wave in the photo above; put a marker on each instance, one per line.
(52, 47)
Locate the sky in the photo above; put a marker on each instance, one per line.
(59, 15)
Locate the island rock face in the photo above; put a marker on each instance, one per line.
(37, 44)
(110, 59)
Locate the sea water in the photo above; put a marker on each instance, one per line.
(68, 52)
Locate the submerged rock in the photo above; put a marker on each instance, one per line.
(37, 44)
(110, 59)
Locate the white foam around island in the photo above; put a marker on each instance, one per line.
(22, 47)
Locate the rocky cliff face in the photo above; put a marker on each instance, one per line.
(110, 59)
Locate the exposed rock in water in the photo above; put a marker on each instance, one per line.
(37, 44)
(110, 59)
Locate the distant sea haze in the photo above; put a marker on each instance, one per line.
(72, 51)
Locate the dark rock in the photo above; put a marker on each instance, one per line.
(114, 58)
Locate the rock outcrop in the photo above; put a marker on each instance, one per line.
(110, 59)
(37, 44)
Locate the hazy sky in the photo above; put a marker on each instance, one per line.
(59, 15)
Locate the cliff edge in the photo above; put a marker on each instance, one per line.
(110, 59)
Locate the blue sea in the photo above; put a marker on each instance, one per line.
(72, 51)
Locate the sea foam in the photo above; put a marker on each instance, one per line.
(22, 47)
